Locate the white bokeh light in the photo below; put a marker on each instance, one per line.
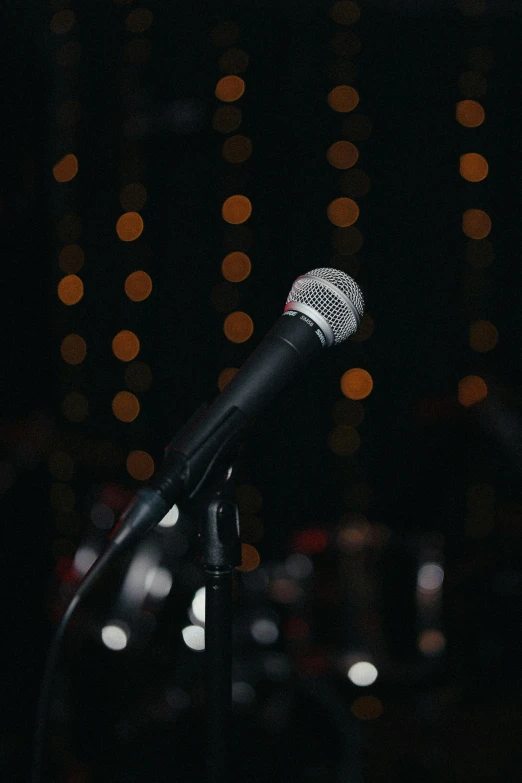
(194, 637)
(114, 637)
(430, 577)
(298, 566)
(83, 559)
(170, 518)
(158, 582)
(264, 631)
(362, 673)
(198, 605)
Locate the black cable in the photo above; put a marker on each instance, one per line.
(51, 664)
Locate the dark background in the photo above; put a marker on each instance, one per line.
(137, 714)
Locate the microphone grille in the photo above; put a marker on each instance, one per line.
(334, 295)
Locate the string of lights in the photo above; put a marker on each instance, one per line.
(65, 108)
(130, 229)
(479, 251)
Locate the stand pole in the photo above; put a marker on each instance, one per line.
(222, 552)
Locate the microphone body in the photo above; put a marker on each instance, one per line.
(323, 307)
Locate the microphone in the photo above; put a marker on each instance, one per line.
(324, 307)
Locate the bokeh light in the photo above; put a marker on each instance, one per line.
(367, 708)
(75, 407)
(483, 336)
(470, 113)
(431, 642)
(362, 673)
(233, 61)
(227, 119)
(342, 154)
(236, 267)
(343, 212)
(125, 345)
(115, 637)
(133, 196)
(138, 286)
(225, 376)
(343, 98)
(170, 518)
(71, 259)
(238, 327)
(472, 389)
(194, 637)
(70, 289)
(430, 577)
(237, 149)
(62, 22)
(345, 12)
(230, 88)
(125, 406)
(473, 167)
(66, 168)
(236, 209)
(476, 223)
(344, 440)
(138, 376)
(356, 383)
(129, 226)
(250, 558)
(73, 349)
(140, 465)
(139, 20)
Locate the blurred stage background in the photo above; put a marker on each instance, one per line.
(168, 170)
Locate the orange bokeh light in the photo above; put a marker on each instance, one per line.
(230, 88)
(343, 212)
(125, 345)
(250, 558)
(236, 266)
(472, 389)
(140, 465)
(125, 406)
(476, 223)
(227, 119)
(470, 113)
(138, 286)
(238, 327)
(70, 289)
(473, 167)
(356, 383)
(342, 154)
(71, 258)
(66, 169)
(73, 349)
(237, 149)
(344, 440)
(343, 98)
(236, 209)
(129, 226)
(225, 376)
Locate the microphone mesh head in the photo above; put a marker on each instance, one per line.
(334, 295)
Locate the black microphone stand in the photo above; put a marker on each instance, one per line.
(219, 525)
